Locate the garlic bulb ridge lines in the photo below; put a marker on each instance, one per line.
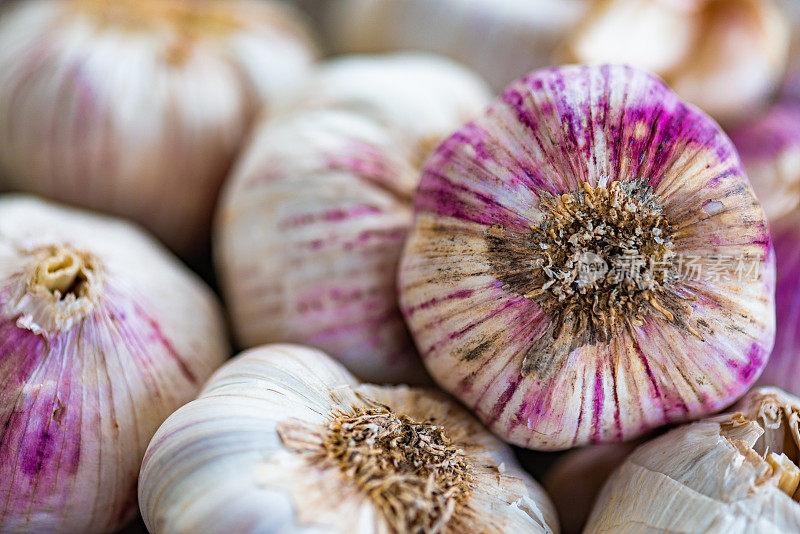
(547, 267)
(92, 361)
(347, 456)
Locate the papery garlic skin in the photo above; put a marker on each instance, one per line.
(770, 150)
(138, 108)
(102, 335)
(732, 473)
(226, 462)
(500, 39)
(725, 56)
(312, 222)
(498, 282)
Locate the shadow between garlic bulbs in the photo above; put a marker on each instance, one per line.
(284, 439)
(735, 474)
(312, 221)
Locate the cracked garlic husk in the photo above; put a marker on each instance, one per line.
(588, 261)
(311, 224)
(725, 56)
(769, 146)
(735, 473)
(138, 107)
(284, 439)
(102, 335)
(516, 36)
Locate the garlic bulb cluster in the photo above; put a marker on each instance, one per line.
(311, 224)
(726, 56)
(588, 261)
(138, 107)
(500, 39)
(284, 439)
(102, 336)
(735, 473)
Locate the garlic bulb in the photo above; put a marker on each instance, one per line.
(283, 439)
(138, 107)
(734, 473)
(102, 336)
(726, 56)
(588, 261)
(575, 480)
(770, 150)
(500, 39)
(311, 224)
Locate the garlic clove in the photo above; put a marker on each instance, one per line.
(311, 224)
(770, 150)
(280, 440)
(735, 473)
(725, 56)
(516, 36)
(550, 280)
(138, 108)
(102, 336)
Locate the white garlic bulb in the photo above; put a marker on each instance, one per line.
(102, 336)
(500, 39)
(138, 107)
(735, 474)
(312, 222)
(725, 56)
(283, 439)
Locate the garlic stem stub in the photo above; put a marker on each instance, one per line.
(769, 146)
(725, 56)
(283, 439)
(312, 222)
(102, 335)
(138, 107)
(588, 261)
(500, 39)
(735, 473)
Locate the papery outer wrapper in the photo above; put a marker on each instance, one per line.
(219, 465)
(311, 225)
(725, 56)
(104, 119)
(551, 131)
(500, 39)
(693, 479)
(770, 150)
(79, 406)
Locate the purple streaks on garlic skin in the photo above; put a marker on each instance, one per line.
(651, 177)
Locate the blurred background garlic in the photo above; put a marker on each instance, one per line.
(138, 107)
(725, 56)
(735, 473)
(102, 335)
(500, 39)
(576, 478)
(588, 261)
(283, 439)
(312, 221)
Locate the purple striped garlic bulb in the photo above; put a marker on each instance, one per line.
(283, 439)
(138, 107)
(312, 222)
(102, 335)
(588, 261)
(735, 473)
